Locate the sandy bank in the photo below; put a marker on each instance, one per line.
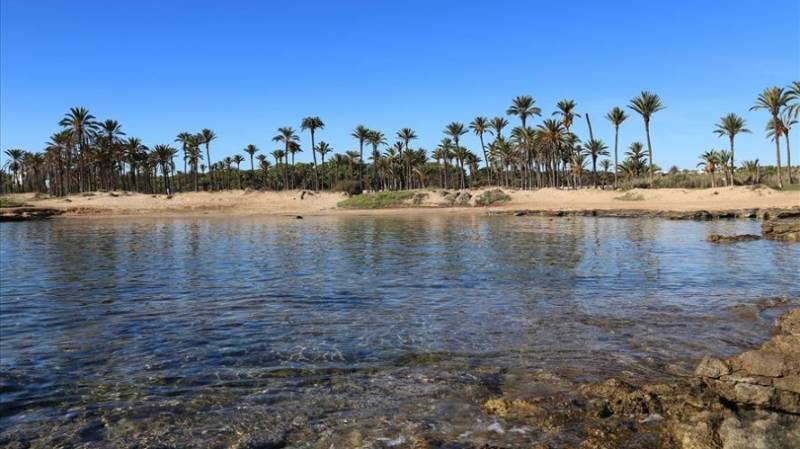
(433, 201)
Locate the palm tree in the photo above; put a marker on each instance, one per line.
(730, 126)
(81, 125)
(263, 164)
(312, 124)
(251, 150)
(406, 135)
(480, 125)
(497, 124)
(616, 116)
(647, 104)
(362, 134)
(709, 161)
(774, 99)
(194, 156)
(287, 136)
(752, 169)
(595, 148)
(15, 164)
(376, 139)
(238, 159)
(323, 148)
(455, 130)
(185, 140)
(789, 119)
(566, 109)
(636, 158)
(523, 107)
(445, 150)
(207, 136)
(605, 164)
(163, 155)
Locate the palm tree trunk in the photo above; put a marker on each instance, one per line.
(789, 158)
(649, 151)
(314, 156)
(778, 152)
(616, 161)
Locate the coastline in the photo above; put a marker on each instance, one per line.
(699, 204)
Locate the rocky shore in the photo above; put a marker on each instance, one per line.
(749, 401)
(28, 213)
(753, 213)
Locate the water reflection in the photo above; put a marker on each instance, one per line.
(191, 315)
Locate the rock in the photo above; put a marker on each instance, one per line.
(790, 322)
(27, 213)
(712, 367)
(760, 363)
(716, 238)
(783, 230)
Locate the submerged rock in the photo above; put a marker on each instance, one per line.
(716, 238)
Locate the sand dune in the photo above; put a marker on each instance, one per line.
(325, 203)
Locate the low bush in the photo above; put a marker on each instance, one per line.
(491, 197)
(376, 200)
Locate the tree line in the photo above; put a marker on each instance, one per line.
(87, 154)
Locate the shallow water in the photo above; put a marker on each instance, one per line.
(354, 331)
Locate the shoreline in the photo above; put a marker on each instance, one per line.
(701, 204)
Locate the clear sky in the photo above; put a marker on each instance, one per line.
(244, 68)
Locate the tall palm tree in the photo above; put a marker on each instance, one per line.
(566, 109)
(287, 136)
(774, 99)
(207, 136)
(523, 107)
(251, 150)
(647, 104)
(497, 124)
(185, 140)
(731, 125)
(455, 130)
(194, 156)
(595, 148)
(445, 151)
(164, 155)
(312, 124)
(361, 133)
(15, 164)
(480, 125)
(238, 159)
(263, 164)
(406, 135)
(323, 148)
(376, 139)
(789, 119)
(81, 125)
(616, 116)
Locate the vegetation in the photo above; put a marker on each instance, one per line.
(377, 200)
(10, 202)
(87, 154)
(491, 197)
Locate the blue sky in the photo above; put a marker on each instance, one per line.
(244, 68)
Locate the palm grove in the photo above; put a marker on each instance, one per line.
(87, 154)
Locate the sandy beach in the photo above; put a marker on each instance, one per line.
(238, 202)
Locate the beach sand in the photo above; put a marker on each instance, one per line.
(238, 202)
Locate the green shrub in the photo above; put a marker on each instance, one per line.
(630, 196)
(378, 200)
(491, 197)
(9, 202)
